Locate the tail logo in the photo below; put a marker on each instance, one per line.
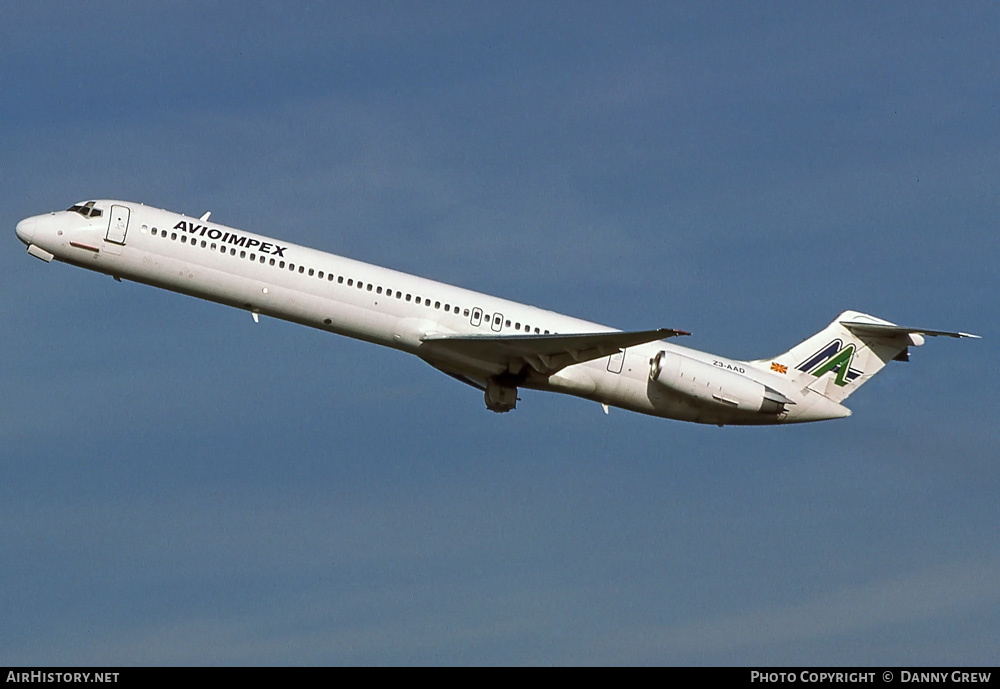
(834, 357)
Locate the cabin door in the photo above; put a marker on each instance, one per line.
(117, 229)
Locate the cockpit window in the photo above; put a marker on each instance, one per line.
(87, 210)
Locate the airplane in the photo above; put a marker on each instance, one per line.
(492, 344)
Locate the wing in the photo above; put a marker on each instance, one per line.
(544, 353)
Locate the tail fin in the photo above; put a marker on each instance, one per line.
(847, 353)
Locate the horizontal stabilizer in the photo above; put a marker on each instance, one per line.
(546, 353)
(886, 330)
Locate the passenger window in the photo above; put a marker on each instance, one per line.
(310, 272)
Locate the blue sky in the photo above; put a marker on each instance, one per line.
(185, 487)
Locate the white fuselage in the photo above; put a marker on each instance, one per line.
(275, 278)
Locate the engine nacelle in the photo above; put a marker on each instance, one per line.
(714, 386)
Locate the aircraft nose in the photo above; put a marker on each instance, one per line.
(26, 230)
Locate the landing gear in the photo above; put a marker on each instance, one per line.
(499, 397)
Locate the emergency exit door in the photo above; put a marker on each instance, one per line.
(615, 361)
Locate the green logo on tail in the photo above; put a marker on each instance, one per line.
(835, 357)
